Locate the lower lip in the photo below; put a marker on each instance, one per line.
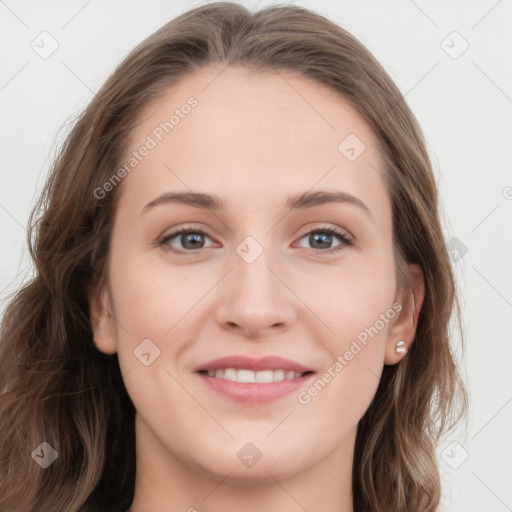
(255, 393)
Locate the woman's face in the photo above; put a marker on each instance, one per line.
(279, 269)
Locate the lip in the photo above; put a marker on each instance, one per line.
(256, 364)
(257, 392)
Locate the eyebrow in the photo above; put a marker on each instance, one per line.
(296, 201)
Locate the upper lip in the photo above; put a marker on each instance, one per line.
(256, 364)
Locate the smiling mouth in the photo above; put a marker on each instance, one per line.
(245, 376)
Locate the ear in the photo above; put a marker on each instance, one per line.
(403, 326)
(102, 322)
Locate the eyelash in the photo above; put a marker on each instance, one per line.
(346, 240)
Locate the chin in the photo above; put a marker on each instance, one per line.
(245, 462)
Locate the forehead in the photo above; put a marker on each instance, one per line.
(226, 129)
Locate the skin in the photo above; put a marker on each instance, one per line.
(252, 139)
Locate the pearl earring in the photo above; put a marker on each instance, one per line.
(400, 347)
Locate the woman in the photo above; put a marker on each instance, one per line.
(242, 292)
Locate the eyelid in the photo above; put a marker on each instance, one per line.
(347, 239)
(180, 229)
(324, 226)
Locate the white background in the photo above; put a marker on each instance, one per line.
(464, 106)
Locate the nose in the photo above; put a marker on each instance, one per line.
(255, 299)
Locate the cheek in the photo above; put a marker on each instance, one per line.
(348, 381)
(150, 299)
(351, 297)
(151, 306)
(358, 306)
(159, 303)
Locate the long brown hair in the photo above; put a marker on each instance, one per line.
(56, 387)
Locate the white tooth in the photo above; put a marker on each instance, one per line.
(278, 375)
(230, 374)
(245, 376)
(264, 376)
